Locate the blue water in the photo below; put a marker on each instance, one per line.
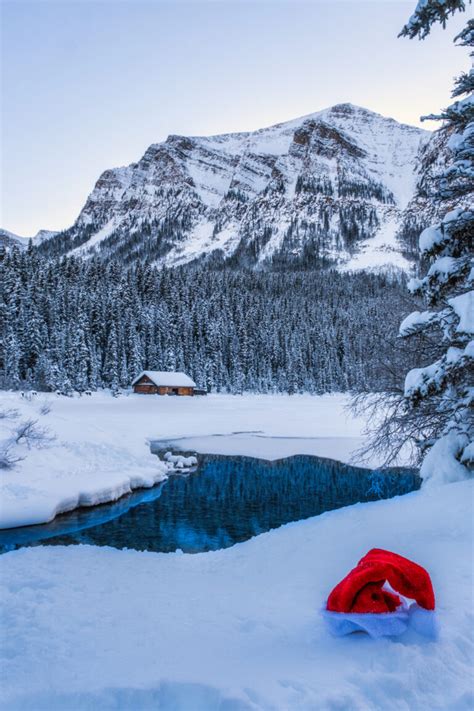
(227, 500)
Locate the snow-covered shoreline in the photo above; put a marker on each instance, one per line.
(99, 628)
(101, 446)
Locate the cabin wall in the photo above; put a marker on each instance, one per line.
(185, 391)
(146, 387)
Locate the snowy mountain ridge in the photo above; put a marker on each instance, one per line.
(330, 186)
(10, 239)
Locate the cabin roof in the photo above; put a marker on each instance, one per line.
(167, 379)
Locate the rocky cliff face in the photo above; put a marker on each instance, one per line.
(331, 187)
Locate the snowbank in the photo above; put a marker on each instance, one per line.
(239, 629)
(101, 448)
(93, 456)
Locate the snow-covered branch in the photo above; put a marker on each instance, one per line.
(428, 13)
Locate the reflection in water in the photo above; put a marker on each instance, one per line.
(76, 520)
(229, 499)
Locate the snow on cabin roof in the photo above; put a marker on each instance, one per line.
(167, 378)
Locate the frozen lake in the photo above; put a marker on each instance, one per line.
(260, 445)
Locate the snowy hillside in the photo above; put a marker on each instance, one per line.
(324, 187)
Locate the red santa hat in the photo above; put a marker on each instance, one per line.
(382, 595)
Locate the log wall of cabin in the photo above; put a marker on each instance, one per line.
(186, 391)
(146, 387)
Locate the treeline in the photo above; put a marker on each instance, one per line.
(73, 324)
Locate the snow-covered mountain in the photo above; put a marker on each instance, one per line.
(9, 239)
(331, 187)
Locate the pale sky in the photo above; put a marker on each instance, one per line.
(88, 85)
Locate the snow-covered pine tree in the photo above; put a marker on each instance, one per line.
(441, 395)
(11, 371)
(112, 361)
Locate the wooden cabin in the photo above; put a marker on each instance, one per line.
(161, 382)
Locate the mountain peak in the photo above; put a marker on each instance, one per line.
(321, 184)
(343, 111)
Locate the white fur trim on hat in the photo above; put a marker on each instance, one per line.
(383, 624)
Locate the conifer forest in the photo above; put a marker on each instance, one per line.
(74, 325)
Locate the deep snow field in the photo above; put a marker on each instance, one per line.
(240, 629)
(101, 447)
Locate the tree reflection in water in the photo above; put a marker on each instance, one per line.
(228, 500)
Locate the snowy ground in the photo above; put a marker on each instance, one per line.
(233, 630)
(239, 629)
(101, 448)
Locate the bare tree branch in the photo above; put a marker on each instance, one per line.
(29, 433)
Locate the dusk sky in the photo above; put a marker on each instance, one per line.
(89, 85)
